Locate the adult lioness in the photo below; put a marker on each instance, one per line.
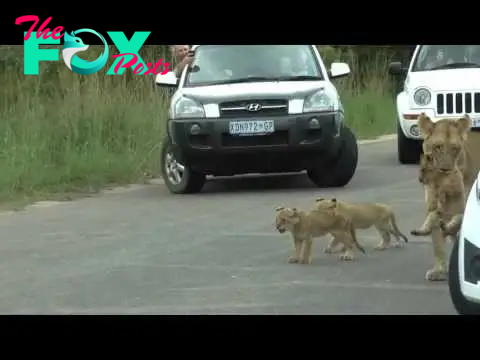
(444, 140)
(365, 215)
(447, 196)
(304, 226)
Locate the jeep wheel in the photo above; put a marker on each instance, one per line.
(179, 178)
(461, 304)
(340, 171)
(409, 150)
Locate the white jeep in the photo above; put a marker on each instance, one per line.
(442, 81)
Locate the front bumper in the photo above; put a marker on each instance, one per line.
(291, 132)
(469, 249)
(294, 145)
(409, 124)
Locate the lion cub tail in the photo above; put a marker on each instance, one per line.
(353, 234)
(396, 230)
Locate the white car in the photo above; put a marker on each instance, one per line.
(256, 109)
(444, 82)
(464, 268)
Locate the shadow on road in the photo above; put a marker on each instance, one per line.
(258, 183)
(377, 167)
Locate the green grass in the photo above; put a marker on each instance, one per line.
(367, 96)
(66, 133)
(368, 116)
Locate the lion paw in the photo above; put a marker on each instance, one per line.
(305, 261)
(328, 250)
(397, 245)
(346, 257)
(446, 231)
(436, 274)
(292, 260)
(381, 247)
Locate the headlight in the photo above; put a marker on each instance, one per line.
(422, 97)
(188, 108)
(319, 101)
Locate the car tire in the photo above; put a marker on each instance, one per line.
(190, 180)
(409, 150)
(462, 305)
(341, 170)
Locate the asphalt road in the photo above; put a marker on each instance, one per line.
(144, 251)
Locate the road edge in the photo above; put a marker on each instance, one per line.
(156, 181)
(382, 138)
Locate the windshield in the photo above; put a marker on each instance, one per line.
(228, 64)
(441, 57)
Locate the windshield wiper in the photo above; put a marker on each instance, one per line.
(244, 80)
(265, 78)
(298, 78)
(457, 65)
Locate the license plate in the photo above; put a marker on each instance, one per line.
(252, 127)
(476, 123)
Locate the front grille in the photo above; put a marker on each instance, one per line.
(458, 103)
(276, 138)
(267, 107)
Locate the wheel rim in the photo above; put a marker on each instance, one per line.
(174, 170)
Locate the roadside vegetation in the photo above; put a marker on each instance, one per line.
(66, 133)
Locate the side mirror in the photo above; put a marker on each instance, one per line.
(167, 80)
(338, 70)
(396, 69)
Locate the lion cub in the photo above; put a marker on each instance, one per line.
(447, 198)
(363, 216)
(306, 225)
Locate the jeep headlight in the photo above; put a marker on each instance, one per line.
(422, 97)
(188, 108)
(319, 101)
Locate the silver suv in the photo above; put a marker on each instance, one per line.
(256, 109)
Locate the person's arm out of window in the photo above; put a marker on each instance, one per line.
(187, 60)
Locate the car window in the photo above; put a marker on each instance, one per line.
(216, 64)
(435, 57)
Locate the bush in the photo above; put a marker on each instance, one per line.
(64, 132)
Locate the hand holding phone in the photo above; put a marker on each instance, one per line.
(189, 58)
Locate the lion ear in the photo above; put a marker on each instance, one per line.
(425, 124)
(464, 124)
(295, 218)
(278, 208)
(336, 204)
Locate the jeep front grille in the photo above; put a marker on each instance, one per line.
(268, 107)
(458, 103)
